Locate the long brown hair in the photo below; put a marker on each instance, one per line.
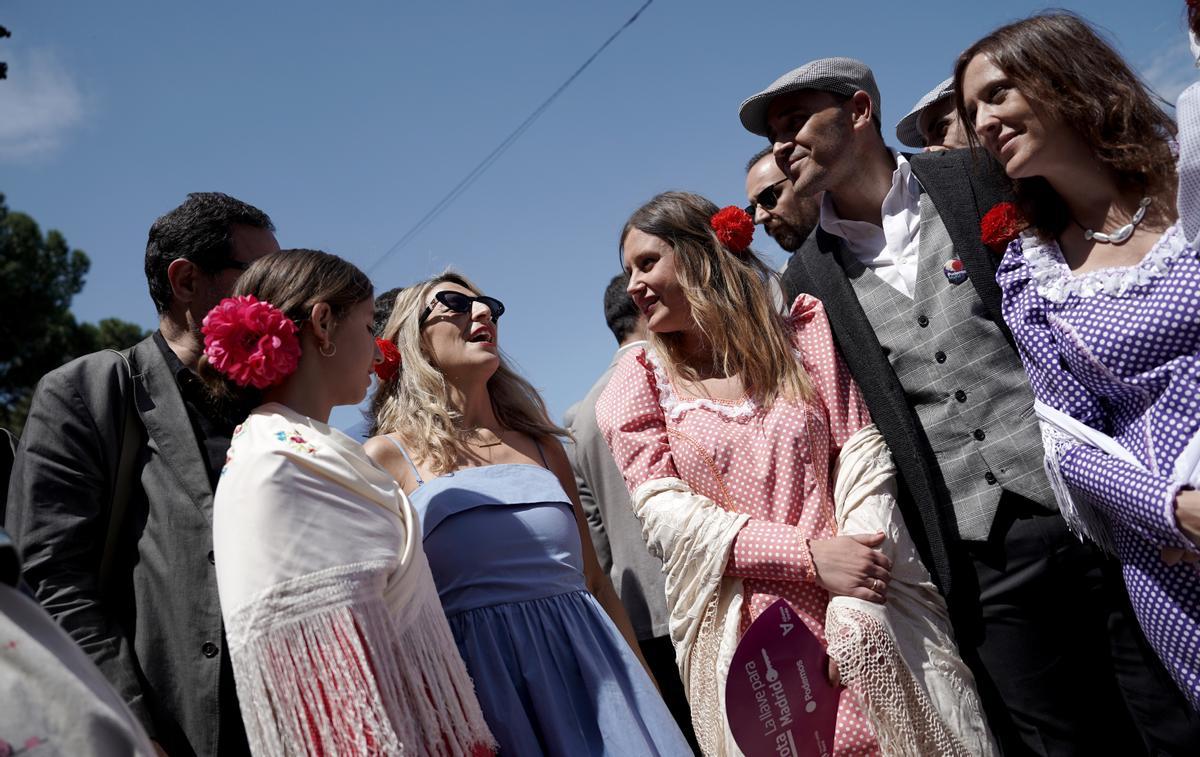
(293, 281)
(730, 298)
(415, 404)
(1070, 74)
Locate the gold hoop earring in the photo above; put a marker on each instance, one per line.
(332, 351)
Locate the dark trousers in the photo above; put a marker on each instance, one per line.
(1061, 663)
(660, 656)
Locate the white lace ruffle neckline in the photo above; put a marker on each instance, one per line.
(674, 406)
(1055, 282)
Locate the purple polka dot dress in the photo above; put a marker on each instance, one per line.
(1118, 349)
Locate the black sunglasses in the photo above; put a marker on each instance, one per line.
(457, 302)
(767, 199)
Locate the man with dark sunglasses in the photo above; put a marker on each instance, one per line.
(788, 217)
(110, 499)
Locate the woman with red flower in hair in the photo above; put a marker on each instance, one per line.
(336, 637)
(1101, 296)
(757, 475)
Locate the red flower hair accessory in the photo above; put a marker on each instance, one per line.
(251, 342)
(734, 228)
(1001, 225)
(391, 359)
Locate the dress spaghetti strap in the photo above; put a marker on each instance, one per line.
(409, 459)
(542, 452)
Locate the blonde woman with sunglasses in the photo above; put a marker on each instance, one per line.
(538, 624)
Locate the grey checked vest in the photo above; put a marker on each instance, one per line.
(962, 377)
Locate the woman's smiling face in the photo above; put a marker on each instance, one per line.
(654, 284)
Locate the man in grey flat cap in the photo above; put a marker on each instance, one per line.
(787, 217)
(933, 124)
(911, 295)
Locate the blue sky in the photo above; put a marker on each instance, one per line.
(347, 122)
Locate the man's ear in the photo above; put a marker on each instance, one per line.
(184, 276)
(862, 109)
(322, 322)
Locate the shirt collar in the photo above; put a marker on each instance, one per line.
(903, 195)
(174, 364)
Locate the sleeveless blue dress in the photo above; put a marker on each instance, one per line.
(553, 674)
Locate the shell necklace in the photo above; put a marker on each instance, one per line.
(1120, 235)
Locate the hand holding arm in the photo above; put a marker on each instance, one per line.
(851, 566)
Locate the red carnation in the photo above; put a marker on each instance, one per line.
(734, 228)
(251, 342)
(1001, 225)
(391, 359)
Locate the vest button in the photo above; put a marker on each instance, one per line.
(960, 395)
(939, 356)
(979, 435)
(209, 649)
(989, 477)
(922, 321)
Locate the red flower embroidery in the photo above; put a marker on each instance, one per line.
(734, 228)
(251, 342)
(1001, 225)
(391, 359)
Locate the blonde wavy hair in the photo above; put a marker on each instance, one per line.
(731, 302)
(416, 404)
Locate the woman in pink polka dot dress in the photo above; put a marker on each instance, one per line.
(728, 428)
(1102, 295)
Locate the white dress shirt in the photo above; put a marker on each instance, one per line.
(890, 251)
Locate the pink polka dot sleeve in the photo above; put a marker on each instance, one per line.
(828, 372)
(632, 421)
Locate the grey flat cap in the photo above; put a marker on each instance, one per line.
(841, 76)
(908, 131)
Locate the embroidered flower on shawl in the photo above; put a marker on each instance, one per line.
(734, 228)
(1001, 225)
(296, 441)
(251, 342)
(391, 359)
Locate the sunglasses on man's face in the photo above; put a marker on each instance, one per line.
(766, 199)
(457, 302)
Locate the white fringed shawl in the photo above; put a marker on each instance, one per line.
(935, 711)
(899, 657)
(338, 641)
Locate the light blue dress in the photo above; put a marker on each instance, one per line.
(553, 674)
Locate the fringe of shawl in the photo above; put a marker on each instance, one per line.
(899, 658)
(323, 668)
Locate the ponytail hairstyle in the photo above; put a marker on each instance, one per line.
(730, 297)
(1072, 76)
(292, 281)
(415, 403)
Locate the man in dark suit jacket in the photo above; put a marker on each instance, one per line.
(911, 295)
(152, 622)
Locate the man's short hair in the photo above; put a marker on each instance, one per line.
(200, 230)
(759, 156)
(383, 308)
(619, 311)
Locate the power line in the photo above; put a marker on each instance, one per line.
(500, 149)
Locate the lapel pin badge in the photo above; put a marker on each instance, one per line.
(955, 272)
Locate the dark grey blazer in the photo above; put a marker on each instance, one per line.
(156, 633)
(963, 188)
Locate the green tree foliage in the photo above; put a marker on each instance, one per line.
(39, 275)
